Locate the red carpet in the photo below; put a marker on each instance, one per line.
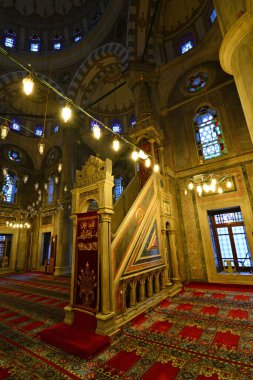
(203, 333)
(160, 371)
(4, 373)
(78, 339)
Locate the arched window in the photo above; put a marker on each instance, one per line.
(15, 125)
(213, 16)
(56, 128)
(118, 188)
(208, 133)
(38, 130)
(9, 188)
(116, 126)
(57, 42)
(132, 121)
(9, 39)
(77, 34)
(186, 43)
(50, 190)
(35, 43)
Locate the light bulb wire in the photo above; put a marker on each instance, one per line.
(61, 95)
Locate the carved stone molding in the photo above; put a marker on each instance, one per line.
(93, 171)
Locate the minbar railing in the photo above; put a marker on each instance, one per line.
(142, 291)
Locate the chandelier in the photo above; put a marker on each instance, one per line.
(206, 184)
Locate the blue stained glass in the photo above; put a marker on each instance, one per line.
(188, 45)
(116, 126)
(35, 44)
(133, 121)
(213, 16)
(38, 131)
(15, 126)
(14, 155)
(10, 39)
(210, 142)
(77, 35)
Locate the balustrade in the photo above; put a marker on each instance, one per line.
(138, 289)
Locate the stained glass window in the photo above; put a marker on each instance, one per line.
(132, 121)
(56, 128)
(77, 34)
(197, 81)
(50, 190)
(208, 133)
(38, 131)
(116, 126)
(15, 125)
(57, 42)
(118, 188)
(35, 43)
(10, 187)
(213, 15)
(14, 155)
(9, 39)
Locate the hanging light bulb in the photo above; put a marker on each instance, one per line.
(56, 179)
(65, 188)
(214, 181)
(115, 144)
(5, 172)
(199, 190)
(142, 155)
(45, 186)
(41, 147)
(39, 199)
(59, 167)
(25, 178)
(190, 186)
(28, 84)
(96, 131)
(185, 192)
(135, 155)
(220, 190)
(147, 162)
(229, 184)
(66, 113)
(4, 131)
(206, 188)
(156, 168)
(36, 186)
(39, 191)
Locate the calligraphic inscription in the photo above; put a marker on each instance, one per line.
(86, 267)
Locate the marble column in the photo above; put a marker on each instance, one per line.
(133, 293)
(142, 290)
(176, 277)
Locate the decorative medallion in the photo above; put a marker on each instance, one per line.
(139, 215)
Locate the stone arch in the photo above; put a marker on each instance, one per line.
(113, 48)
(84, 205)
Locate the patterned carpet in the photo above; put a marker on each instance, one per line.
(200, 334)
